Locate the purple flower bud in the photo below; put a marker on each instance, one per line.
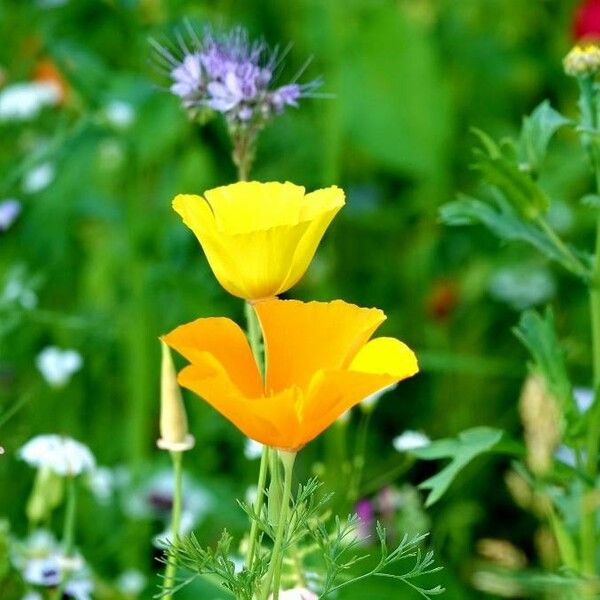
(187, 77)
(9, 212)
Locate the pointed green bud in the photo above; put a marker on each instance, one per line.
(174, 435)
(46, 495)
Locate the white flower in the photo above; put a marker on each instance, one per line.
(10, 209)
(250, 494)
(62, 455)
(32, 596)
(583, 398)
(24, 101)
(410, 440)
(370, 401)
(101, 482)
(80, 588)
(57, 366)
(18, 289)
(44, 571)
(38, 178)
(119, 114)
(153, 499)
(252, 449)
(131, 582)
(296, 594)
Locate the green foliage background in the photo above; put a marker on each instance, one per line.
(115, 268)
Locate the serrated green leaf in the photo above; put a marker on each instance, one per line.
(538, 129)
(500, 217)
(461, 450)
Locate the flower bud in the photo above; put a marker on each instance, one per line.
(174, 434)
(46, 495)
(540, 416)
(582, 61)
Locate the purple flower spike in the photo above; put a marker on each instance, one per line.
(187, 78)
(231, 75)
(9, 212)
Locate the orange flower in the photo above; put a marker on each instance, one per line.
(320, 364)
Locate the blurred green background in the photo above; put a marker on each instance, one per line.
(113, 267)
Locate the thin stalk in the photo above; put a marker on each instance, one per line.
(570, 260)
(255, 341)
(68, 536)
(258, 505)
(274, 572)
(170, 571)
(588, 523)
(359, 457)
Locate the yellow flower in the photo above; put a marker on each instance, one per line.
(259, 238)
(319, 359)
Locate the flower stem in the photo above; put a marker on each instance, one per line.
(274, 572)
(258, 504)
(68, 536)
(170, 571)
(588, 524)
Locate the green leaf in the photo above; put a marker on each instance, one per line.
(591, 200)
(538, 129)
(461, 450)
(501, 218)
(538, 335)
(504, 173)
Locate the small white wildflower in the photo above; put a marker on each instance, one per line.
(410, 440)
(43, 571)
(62, 455)
(38, 179)
(57, 366)
(24, 101)
(80, 588)
(10, 209)
(253, 449)
(584, 397)
(131, 582)
(250, 494)
(370, 401)
(119, 114)
(101, 482)
(32, 596)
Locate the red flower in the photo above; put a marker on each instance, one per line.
(586, 21)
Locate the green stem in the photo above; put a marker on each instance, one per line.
(255, 337)
(274, 571)
(359, 457)
(588, 524)
(570, 260)
(68, 536)
(170, 571)
(258, 505)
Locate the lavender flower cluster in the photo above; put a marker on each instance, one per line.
(230, 75)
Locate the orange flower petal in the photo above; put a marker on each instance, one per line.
(303, 338)
(332, 393)
(222, 339)
(272, 421)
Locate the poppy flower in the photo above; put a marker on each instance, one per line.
(320, 362)
(259, 238)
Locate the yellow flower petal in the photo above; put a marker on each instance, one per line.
(386, 355)
(302, 338)
(259, 238)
